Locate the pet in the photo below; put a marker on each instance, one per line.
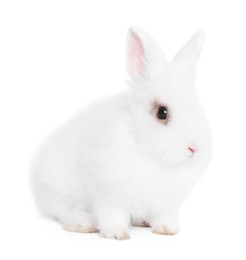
(131, 158)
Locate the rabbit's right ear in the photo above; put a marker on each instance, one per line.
(145, 58)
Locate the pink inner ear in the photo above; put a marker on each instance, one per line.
(136, 54)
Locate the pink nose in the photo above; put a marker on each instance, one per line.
(192, 149)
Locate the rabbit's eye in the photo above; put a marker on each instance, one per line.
(162, 113)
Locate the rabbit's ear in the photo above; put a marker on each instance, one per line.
(187, 57)
(144, 57)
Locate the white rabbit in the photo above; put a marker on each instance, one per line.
(131, 158)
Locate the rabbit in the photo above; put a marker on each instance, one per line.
(129, 159)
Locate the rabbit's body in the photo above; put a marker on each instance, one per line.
(114, 163)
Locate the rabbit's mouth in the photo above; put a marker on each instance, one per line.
(174, 154)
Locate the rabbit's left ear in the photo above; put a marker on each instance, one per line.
(144, 57)
(187, 57)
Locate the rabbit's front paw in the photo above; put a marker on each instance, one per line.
(166, 225)
(119, 233)
(165, 230)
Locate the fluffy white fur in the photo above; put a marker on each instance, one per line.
(124, 165)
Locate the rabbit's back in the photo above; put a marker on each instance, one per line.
(71, 159)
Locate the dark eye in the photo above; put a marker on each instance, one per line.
(162, 113)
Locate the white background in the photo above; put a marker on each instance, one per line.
(56, 56)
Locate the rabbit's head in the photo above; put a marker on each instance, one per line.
(166, 116)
